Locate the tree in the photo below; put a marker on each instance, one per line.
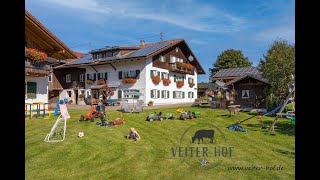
(229, 59)
(277, 67)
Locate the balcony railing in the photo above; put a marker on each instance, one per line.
(37, 68)
(174, 68)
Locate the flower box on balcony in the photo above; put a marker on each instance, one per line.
(191, 84)
(180, 84)
(35, 55)
(156, 79)
(89, 82)
(101, 82)
(166, 82)
(128, 80)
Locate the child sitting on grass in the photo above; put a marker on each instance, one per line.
(133, 135)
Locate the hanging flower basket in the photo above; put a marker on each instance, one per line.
(101, 82)
(180, 84)
(166, 82)
(128, 80)
(89, 82)
(191, 84)
(156, 79)
(35, 55)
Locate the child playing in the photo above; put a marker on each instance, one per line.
(133, 134)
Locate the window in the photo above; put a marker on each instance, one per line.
(245, 94)
(164, 75)
(172, 59)
(132, 74)
(178, 94)
(155, 93)
(190, 95)
(31, 90)
(154, 73)
(190, 80)
(69, 93)
(99, 56)
(165, 94)
(81, 77)
(162, 59)
(68, 78)
(125, 74)
(179, 78)
(100, 76)
(50, 78)
(125, 94)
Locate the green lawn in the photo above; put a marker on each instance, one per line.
(105, 153)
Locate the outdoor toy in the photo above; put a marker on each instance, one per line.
(179, 110)
(196, 114)
(168, 116)
(58, 130)
(98, 111)
(155, 116)
(81, 134)
(260, 117)
(237, 127)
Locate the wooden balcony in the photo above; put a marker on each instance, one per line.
(173, 68)
(37, 69)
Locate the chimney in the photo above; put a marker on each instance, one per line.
(141, 42)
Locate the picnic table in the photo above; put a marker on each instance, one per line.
(234, 108)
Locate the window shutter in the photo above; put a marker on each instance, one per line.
(174, 78)
(151, 73)
(137, 74)
(159, 73)
(88, 76)
(152, 95)
(158, 93)
(120, 74)
(106, 75)
(94, 77)
(31, 90)
(182, 94)
(174, 94)
(99, 76)
(119, 94)
(168, 94)
(162, 94)
(192, 94)
(162, 75)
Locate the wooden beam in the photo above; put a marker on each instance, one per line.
(113, 67)
(38, 38)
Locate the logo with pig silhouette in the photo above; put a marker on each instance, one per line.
(202, 146)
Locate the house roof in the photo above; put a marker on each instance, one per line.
(235, 72)
(257, 77)
(50, 43)
(144, 51)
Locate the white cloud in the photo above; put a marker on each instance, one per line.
(191, 16)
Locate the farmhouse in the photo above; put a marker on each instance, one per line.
(247, 84)
(161, 72)
(43, 50)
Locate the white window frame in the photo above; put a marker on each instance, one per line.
(162, 59)
(190, 95)
(172, 59)
(190, 80)
(179, 78)
(155, 73)
(50, 78)
(67, 92)
(166, 93)
(82, 77)
(125, 74)
(155, 94)
(68, 78)
(180, 93)
(101, 75)
(243, 92)
(165, 75)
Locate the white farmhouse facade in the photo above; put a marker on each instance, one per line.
(142, 69)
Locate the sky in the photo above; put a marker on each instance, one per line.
(208, 26)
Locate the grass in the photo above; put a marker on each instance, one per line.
(105, 153)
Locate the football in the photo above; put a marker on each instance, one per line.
(81, 134)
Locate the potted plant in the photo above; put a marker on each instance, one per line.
(191, 84)
(89, 82)
(156, 79)
(150, 103)
(129, 80)
(35, 55)
(166, 82)
(179, 84)
(101, 81)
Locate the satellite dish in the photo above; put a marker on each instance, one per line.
(190, 58)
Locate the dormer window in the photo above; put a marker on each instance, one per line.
(162, 59)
